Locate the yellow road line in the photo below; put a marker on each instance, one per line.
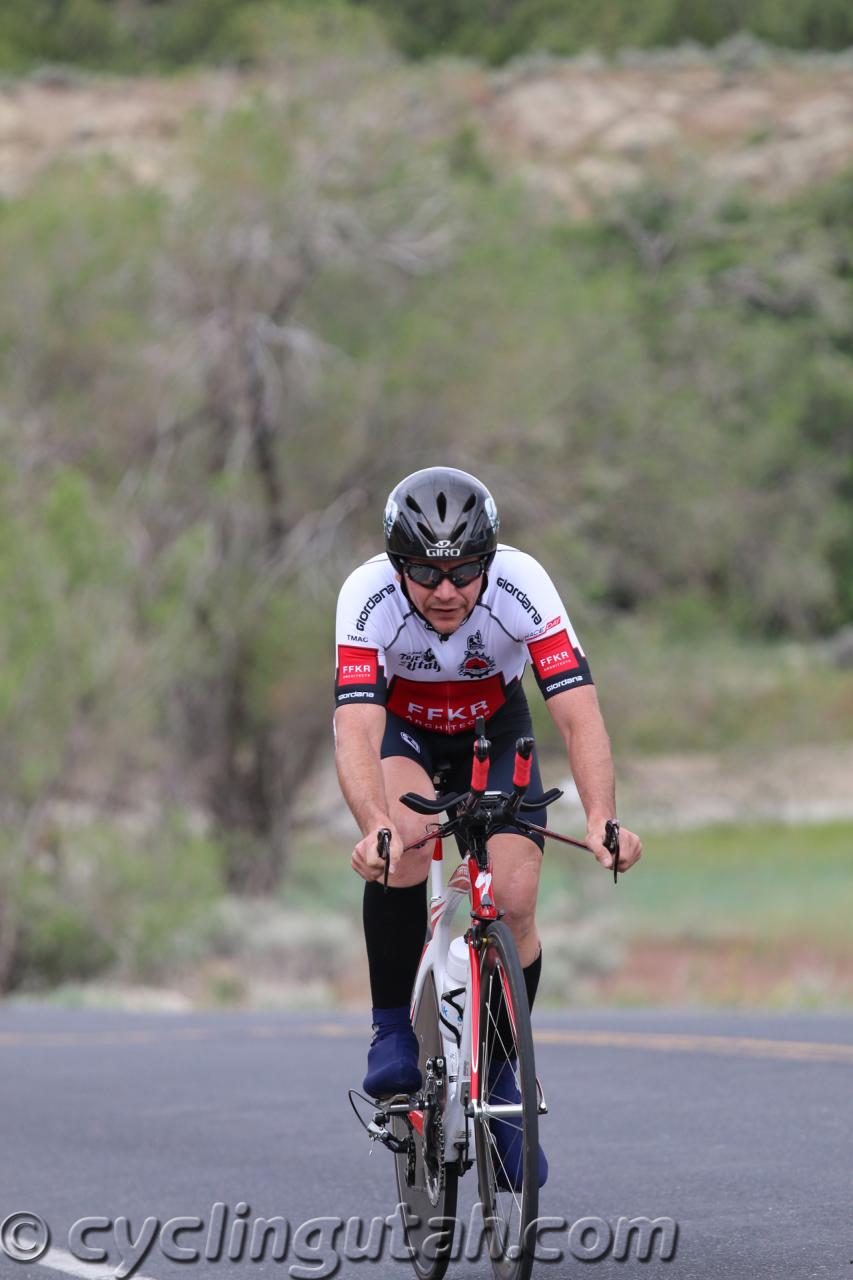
(656, 1042)
(663, 1042)
(666, 1042)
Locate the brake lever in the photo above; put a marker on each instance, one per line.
(611, 844)
(383, 848)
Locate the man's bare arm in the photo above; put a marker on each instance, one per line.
(358, 748)
(577, 715)
(358, 745)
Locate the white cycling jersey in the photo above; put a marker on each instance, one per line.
(389, 655)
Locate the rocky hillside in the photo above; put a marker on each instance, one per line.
(574, 130)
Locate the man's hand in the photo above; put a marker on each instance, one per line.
(630, 846)
(365, 856)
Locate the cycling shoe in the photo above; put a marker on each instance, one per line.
(392, 1060)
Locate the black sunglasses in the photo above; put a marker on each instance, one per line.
(429, 575)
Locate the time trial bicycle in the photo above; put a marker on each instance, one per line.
(470, 1013)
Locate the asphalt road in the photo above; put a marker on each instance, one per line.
(738, 1128)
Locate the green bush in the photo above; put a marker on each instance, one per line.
(103, 900)
(152, 34)
(496, 30)
(160, 35)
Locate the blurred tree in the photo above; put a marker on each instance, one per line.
(248, 486)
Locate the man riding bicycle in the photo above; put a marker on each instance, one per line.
(431, 634)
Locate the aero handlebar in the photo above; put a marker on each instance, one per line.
(493, 810)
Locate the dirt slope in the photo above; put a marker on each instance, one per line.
(573, 131)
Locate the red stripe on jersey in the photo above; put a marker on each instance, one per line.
(356, 665)
(447, 706)
(553, 654)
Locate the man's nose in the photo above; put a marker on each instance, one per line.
(445, 589)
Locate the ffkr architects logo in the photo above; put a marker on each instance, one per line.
(357, 666)
(553, 654)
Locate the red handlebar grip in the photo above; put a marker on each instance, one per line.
(479, 775)
(521, 772)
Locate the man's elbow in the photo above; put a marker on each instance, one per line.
(363, 725)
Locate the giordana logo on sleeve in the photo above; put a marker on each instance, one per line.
(357, 666)
(476, 662)
(523, 599)
(371, 603)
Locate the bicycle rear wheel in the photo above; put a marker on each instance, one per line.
(509, 1195)
(426, 1186)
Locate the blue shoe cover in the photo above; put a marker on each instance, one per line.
(507, 1133)
(392, 1060)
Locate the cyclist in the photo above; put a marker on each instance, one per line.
(432, 633)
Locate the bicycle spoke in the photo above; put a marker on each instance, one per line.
(508, 1053)
(508, 1180)
(493, 1146)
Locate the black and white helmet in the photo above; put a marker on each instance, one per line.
(440, 513)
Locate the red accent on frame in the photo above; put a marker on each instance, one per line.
(521, 772)
(479, 775)
(553, 654)
(477, 908)
(357, 666)
(417, 1119)
(436, 853)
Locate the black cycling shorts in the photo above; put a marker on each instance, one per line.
(452, 755)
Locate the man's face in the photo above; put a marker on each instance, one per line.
(445, 607)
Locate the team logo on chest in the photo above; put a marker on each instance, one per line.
(476, 662)
(425, 661)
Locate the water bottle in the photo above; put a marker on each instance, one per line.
(453, 1001)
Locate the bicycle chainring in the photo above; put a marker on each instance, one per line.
(432, 1151)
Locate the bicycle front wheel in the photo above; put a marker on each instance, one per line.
(426, 1186)
(506, 1121)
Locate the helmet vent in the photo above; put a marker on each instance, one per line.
(426, 531)
(458, 531)
(470, 503)
(441, 504)
(412, 505)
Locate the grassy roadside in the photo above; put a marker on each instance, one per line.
(741, 916)
(768, 882)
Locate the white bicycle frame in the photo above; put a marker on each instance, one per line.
(467, 882)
